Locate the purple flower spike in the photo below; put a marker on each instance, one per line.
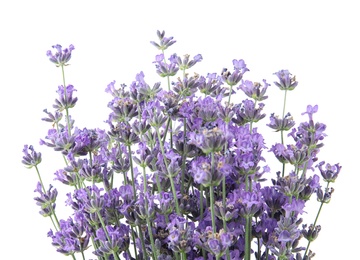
(62, 56)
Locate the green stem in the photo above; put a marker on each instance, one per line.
(316, 219)
(134, 239)
(283, 114)
(106, 233)
(148, 219)
(248, 238)
(132, 171)
(65, 94)
(201, 202)
(183, 164)
(53, 214)
(212, 209)
(169, 175)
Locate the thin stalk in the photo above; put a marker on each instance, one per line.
(201, 202)
(148, 219)
(65, 94)
(316, 219)
(212, 200)
(53, 214)
(134, 239)
(132, 172)
(248, 226)
(212, 209)
(169, 175)
(183, 159)
(106, 233)
(183, 256)
(248, 238)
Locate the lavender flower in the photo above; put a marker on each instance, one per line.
(286, 82)
(71, 237)
(252, 89)
(331, 172)
(180, 234)
(66, 99)
(46, 200)
(164, 41)
(284, 124)
(62, 56)
(30, 159)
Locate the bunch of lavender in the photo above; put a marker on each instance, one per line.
(180, 172)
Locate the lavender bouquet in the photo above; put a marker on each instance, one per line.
(180, 173)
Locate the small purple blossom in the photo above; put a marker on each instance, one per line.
(62, 56)
(31, 158)
(331, 172)
(286, 82)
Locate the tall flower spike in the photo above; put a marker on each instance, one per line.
(62, 56)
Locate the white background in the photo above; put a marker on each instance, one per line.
(318, 41)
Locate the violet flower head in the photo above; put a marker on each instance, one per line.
(331, 172)
(180, 234)
(70, 238)
(310, 110)
(254, 90)
(279, 124)
(247, 112)
(46, 200)
(294, 208)
(286, 82)
(233, 78)
(30, 158)
(164, 41)
(204, 174)
(65, 99)
(310, 233)
(62, 56)
(185, 63)
(290, 154)
(114, 241)
(165, 69)
(52, 118)
(214, 243)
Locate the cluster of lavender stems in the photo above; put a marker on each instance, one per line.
(180, 173)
